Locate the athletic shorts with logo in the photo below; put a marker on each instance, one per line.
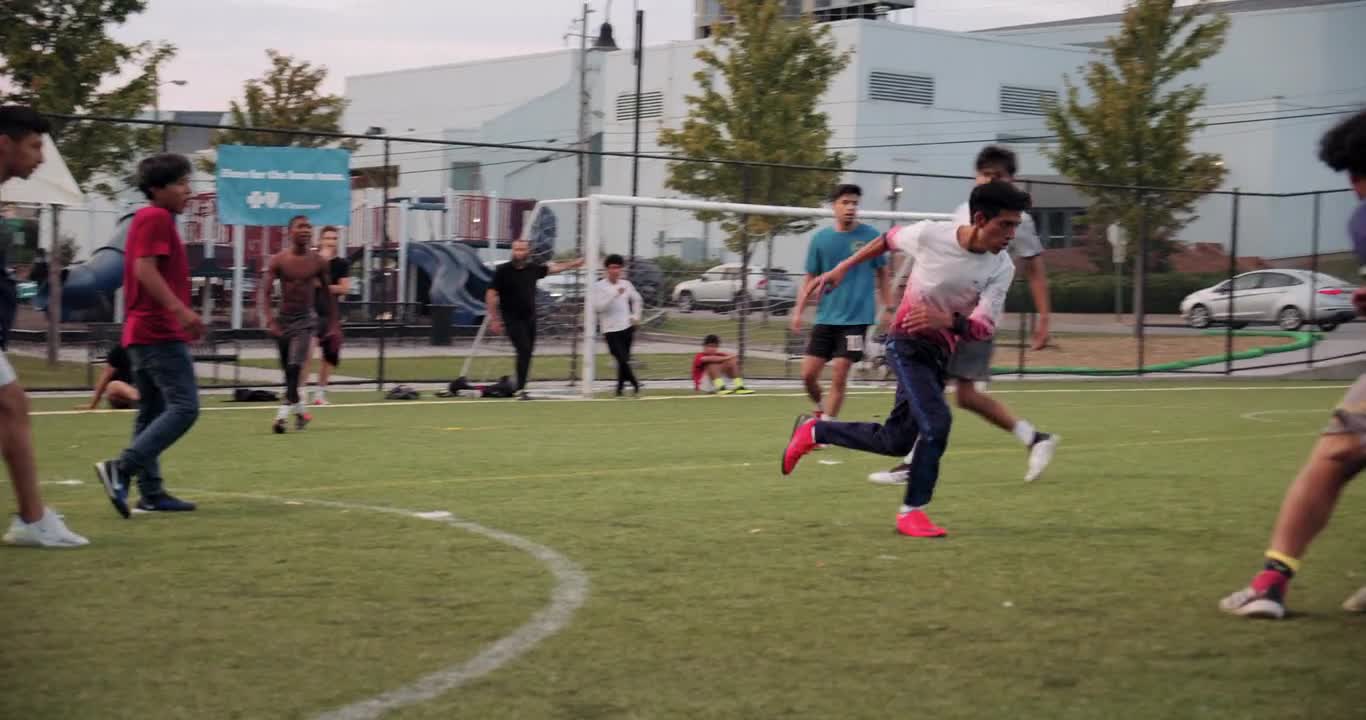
(837, 341)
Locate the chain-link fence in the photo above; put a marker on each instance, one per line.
(1247, 283)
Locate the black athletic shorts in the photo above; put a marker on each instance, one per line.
(837, 341)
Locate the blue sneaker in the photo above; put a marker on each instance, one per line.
(164, 502)
(115, 485)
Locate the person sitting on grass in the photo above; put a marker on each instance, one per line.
(717, 365)
(116, 382)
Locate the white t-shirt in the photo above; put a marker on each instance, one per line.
(616, 309)
(1026, 243)
(948, 277)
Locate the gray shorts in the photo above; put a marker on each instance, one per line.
(1349, 418)
(7, 374)
(971, 360)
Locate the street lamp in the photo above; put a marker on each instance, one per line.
(156, 106)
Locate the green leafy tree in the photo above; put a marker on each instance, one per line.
(760, 88)
(759, 92)
(288, 97)
(58, 57)
(1136, 130)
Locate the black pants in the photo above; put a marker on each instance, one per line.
(619, 344)
(522, 333)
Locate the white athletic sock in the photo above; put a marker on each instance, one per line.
(282, 413)
(298, 408)
(1024, 431)
(907, 508)
(830, 418)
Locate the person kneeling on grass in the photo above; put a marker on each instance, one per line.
(956, 292)
(716, 365)
(116, 382)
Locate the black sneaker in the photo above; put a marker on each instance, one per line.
(115, 485)
(524, 395)
(279, 426)
(302, 420)
(164, 502)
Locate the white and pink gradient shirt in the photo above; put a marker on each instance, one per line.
(950, 278)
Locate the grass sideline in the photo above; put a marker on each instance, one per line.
(719, 588)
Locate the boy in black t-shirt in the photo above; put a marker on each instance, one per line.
(511, 303)
(339, 269)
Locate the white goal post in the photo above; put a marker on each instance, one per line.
(593, 230)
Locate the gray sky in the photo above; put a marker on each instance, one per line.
(223, 42)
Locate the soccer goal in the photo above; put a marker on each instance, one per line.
(689, 281)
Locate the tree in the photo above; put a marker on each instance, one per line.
(57, 55)
(773, 73)
(759, 91)
(1135, 132)
(286, 97)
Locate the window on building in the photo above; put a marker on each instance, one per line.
(651, 105)
(902, 88)
(374, 177)
(467, 176)
(1016, 100)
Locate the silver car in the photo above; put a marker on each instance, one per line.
(1288, 298)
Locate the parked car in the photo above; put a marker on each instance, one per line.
(1289, 298)
(564, 286)
(720, 288)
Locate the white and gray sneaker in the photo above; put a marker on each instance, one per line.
(895, 476)
(1250, 603)
(1041, 454)
(1357, 602)
(49, 532)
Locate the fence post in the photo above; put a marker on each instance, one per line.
(1232, 294)
(742, 305)
(1314, 270)
(1024, 313)
(1140, 276)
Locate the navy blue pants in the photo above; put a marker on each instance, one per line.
(169, 406)
(920, 413)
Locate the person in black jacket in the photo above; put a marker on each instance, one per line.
(511, 301)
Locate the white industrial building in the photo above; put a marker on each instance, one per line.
(937, 95)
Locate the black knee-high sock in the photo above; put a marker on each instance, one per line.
(292, 383)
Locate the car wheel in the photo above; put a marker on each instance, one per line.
(1328, 326)
(1198, 317)
(685, 302)
(1290, 318)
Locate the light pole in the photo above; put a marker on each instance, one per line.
(604, 41)
(156, 106)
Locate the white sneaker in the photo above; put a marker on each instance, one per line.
(896, 476)
(49, 532)
(1249, 603)
(1040, 455)
(1356, 603)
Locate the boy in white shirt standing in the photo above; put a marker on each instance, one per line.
(619, 307)
(956, 293)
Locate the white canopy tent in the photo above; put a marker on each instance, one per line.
(50, 184)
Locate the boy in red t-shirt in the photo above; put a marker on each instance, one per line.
(158, 327)
(716, 365)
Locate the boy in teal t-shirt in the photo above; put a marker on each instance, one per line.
(844, 314)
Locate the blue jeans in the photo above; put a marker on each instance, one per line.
(169, 406)
(920, 413)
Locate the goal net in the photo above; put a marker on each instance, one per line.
(691, 278)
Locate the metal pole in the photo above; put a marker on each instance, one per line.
(384, 232)
(583, 126)
(402, 295)
(1024, 316)
(1314, 270)
(54, 289)
(590, 260)
(635, 159)
(239, 250)
(1232, 292)
(1140, 277)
